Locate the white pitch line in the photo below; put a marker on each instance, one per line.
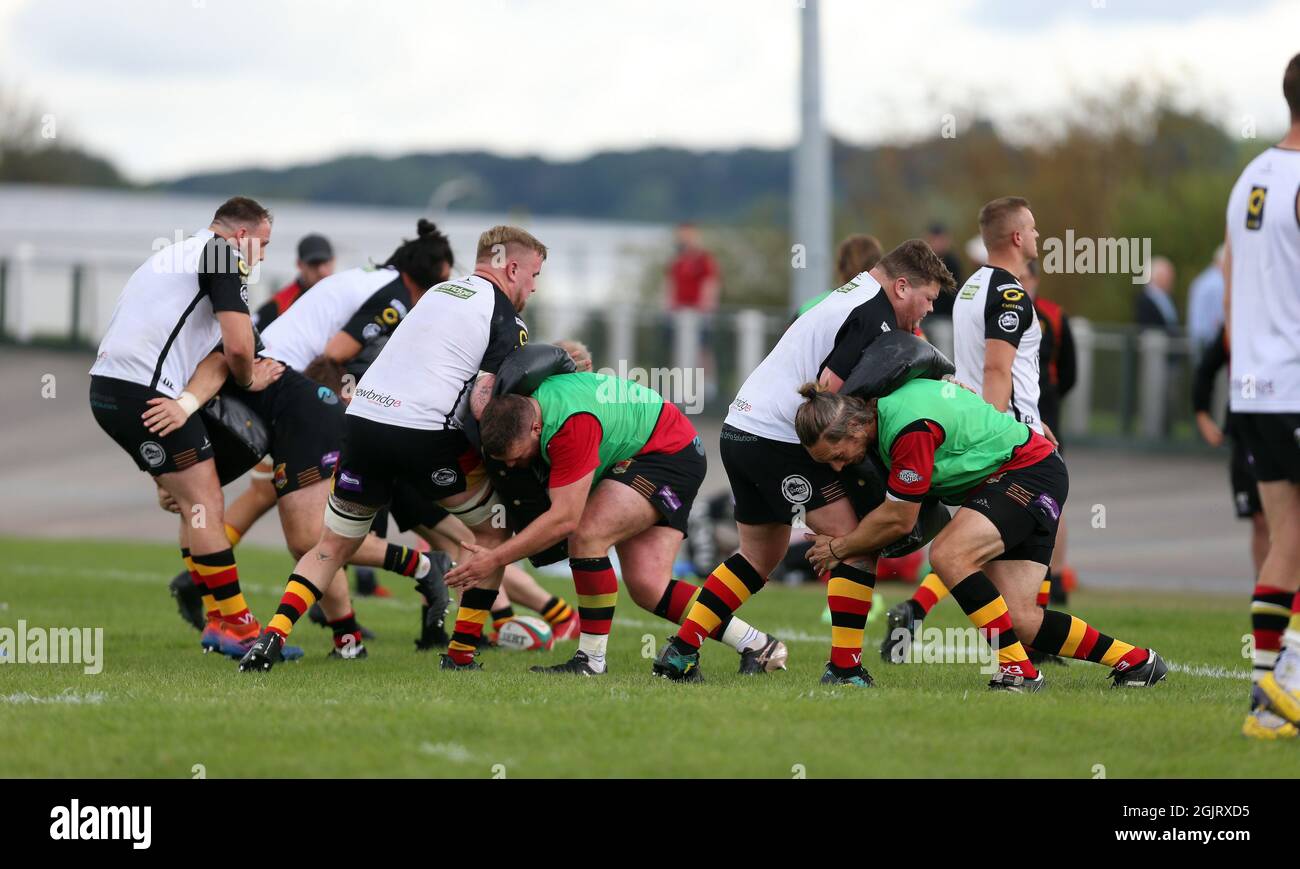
(788, 635)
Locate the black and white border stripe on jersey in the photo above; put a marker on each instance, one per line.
(171, 339)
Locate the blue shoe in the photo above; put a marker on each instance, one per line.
(675, 665)
(857, 677)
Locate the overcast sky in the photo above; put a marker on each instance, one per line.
(170, 86)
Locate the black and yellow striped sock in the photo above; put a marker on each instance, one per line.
(978, 597)
(1072, 637)
(556, 611)
(401, 559)
(501, 616)
(725, 591)
(221, 577)
(848, 593)
(210, 609)
(347, 631)
(299, 595)
(475, 608)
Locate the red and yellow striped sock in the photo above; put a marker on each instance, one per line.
(557, 611)
(597, 587)
(347, 632)
(1270, 610)
(848, 593)
(501, 616)
(472, 615)
(1045, 591)
(220, 577)
(210, 609)
(978, 597)
(725, 591)
(233, 534)
(299, 595)
(1072, 637)
(931, 591)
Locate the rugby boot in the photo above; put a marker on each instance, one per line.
(855, 676)
(1016, 684)
(578, 665)
(901, 625)
(1144, 675)
(446, 663)
(676, 665)
(189, 600)
(766, 658)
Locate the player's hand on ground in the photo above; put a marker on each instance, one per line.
(1209, 429)
(164, 416)
(265, 372)
(476, 565)
(820, 554)
(167, 502)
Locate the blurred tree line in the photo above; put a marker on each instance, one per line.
(33, 151)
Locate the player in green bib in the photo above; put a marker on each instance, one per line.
(937, 438)
(624, 466)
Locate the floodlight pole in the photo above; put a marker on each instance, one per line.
(810, 194)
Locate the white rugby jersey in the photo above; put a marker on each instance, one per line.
(832, 333)
(992, 304)
(364, 302)
(165, 321)
(423, 376)
(1264, 235)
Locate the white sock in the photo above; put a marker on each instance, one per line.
(742, 637)
(593, 646)
(424, 567)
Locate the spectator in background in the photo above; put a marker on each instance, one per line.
(693, 282)
(1154, 308)
(1057, 373)
(941, 243)
(315, 262)
(1205, 305)
(856, 254)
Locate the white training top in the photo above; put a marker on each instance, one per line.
(993, 305)
(422, 377)
(165, 321)
(831, 333)
(1264, 237)
(364, 302)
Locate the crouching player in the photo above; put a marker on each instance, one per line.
(939, 439)
(625, 466)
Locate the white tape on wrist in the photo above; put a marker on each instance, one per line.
(188, 403)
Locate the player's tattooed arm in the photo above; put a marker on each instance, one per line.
(481, 394)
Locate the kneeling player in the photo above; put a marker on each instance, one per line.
(625, 466)
(939, 439)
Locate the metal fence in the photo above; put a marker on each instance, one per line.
(1132, 384)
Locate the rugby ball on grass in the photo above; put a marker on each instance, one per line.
(525, 634)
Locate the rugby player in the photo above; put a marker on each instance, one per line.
(773, 480)
(1262, 304)
(624, 468)
(180, 304)
(315, 263)
(938, 439)
(405, 422)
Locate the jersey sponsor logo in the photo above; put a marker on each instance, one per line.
(152, 453)
(669, 498)
(371, 330)
(993, 479)
(1012, 293)
(329, 460)
(380, 398)
(351, 482)
(969, 291)
(741, 405)
(281, 476)
(1255, 207)
(796, 489)
(398, 307)
(243, 294)
(459, 291)
(523, 337)
(1047, 505)
(444, 476)
(325, 394)
(884, 327)
(621, 467)
(909, 476)
(1009, 321)
(390, 316)
(848, 288)
(243, 267)
(698, 444)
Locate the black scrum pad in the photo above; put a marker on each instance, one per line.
(892, 360)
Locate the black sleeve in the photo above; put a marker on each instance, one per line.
(862, 326)
(375, 317)
(224, 276)
(1214, 358)
(506, 334)
(1067, 362)
(1008, 310)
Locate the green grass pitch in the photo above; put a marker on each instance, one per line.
(160, 708)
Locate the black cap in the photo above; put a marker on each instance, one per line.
(313, 249)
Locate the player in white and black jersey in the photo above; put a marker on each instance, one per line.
(773, 480)
(1262, 302)
(173, 312)
(996, 335)
(405, 423)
